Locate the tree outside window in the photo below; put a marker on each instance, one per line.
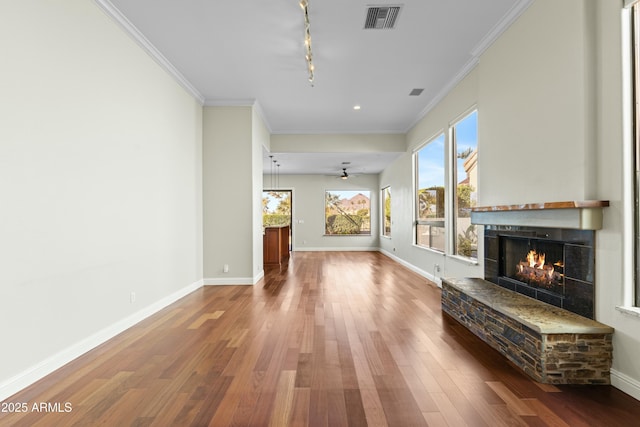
(430, 195)
(464, 137)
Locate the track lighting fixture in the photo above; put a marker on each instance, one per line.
(304, 4)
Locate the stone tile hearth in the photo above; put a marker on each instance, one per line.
(550, 344)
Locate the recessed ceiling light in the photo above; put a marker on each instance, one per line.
(356, 107)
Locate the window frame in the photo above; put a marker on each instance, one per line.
(634, 128)
(630, 303)
(449, 193)
(364, 192)
(417, 220)
(385, 194)
(454, 184)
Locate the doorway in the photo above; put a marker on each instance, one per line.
(277, 210)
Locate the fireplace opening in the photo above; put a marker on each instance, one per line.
(535, 263)
(551, 265)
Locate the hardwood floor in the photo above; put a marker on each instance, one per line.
(337, 338)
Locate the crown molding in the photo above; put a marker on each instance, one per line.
(338, 132)
(248, 102)
(230, 102)
(258, 109)
(148, 47)
(506, 21)
(509, 18)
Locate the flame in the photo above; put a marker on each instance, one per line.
(535, 259)
(534, 269)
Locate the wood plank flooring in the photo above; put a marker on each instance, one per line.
(334, 339)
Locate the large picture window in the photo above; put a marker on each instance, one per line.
(430, 194)
(464, 140)
(446, 186)
(347, 212)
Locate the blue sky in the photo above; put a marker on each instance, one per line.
(347, 194)
(431, 157)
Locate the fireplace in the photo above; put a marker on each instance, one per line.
(544, 250)
(553, 265)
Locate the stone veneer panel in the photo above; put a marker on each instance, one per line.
(553, 350)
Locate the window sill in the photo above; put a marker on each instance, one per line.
(385, 237)
(424, 248)
(466, 260)
(631, 311)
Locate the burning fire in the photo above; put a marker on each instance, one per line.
(535, 259)
(534, 270)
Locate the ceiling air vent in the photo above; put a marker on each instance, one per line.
(381, 17)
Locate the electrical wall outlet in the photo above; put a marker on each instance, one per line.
(225, 268)
(132, 297)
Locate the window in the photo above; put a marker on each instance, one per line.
(430, 198)
(276, 208)
(386, 211)
(347, 212)
(464, 140)
(446, 185)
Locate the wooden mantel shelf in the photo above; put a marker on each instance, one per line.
(583, 215)
(581, 204)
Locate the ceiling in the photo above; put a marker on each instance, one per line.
(247, 52)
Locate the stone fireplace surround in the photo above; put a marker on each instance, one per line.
(548, 342)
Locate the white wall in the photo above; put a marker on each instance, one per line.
(100, 184)
(261, 140)
(400, 177)
(228, 195)
(533, 95)
(308, 206)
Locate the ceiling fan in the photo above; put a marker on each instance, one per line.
(344, 175)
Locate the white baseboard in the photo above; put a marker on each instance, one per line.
(220, 281)
(258, 277)
(335, 249)
(626, 384)
(47, 366)
(413, 268)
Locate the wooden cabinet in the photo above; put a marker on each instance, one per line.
(275, 247)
